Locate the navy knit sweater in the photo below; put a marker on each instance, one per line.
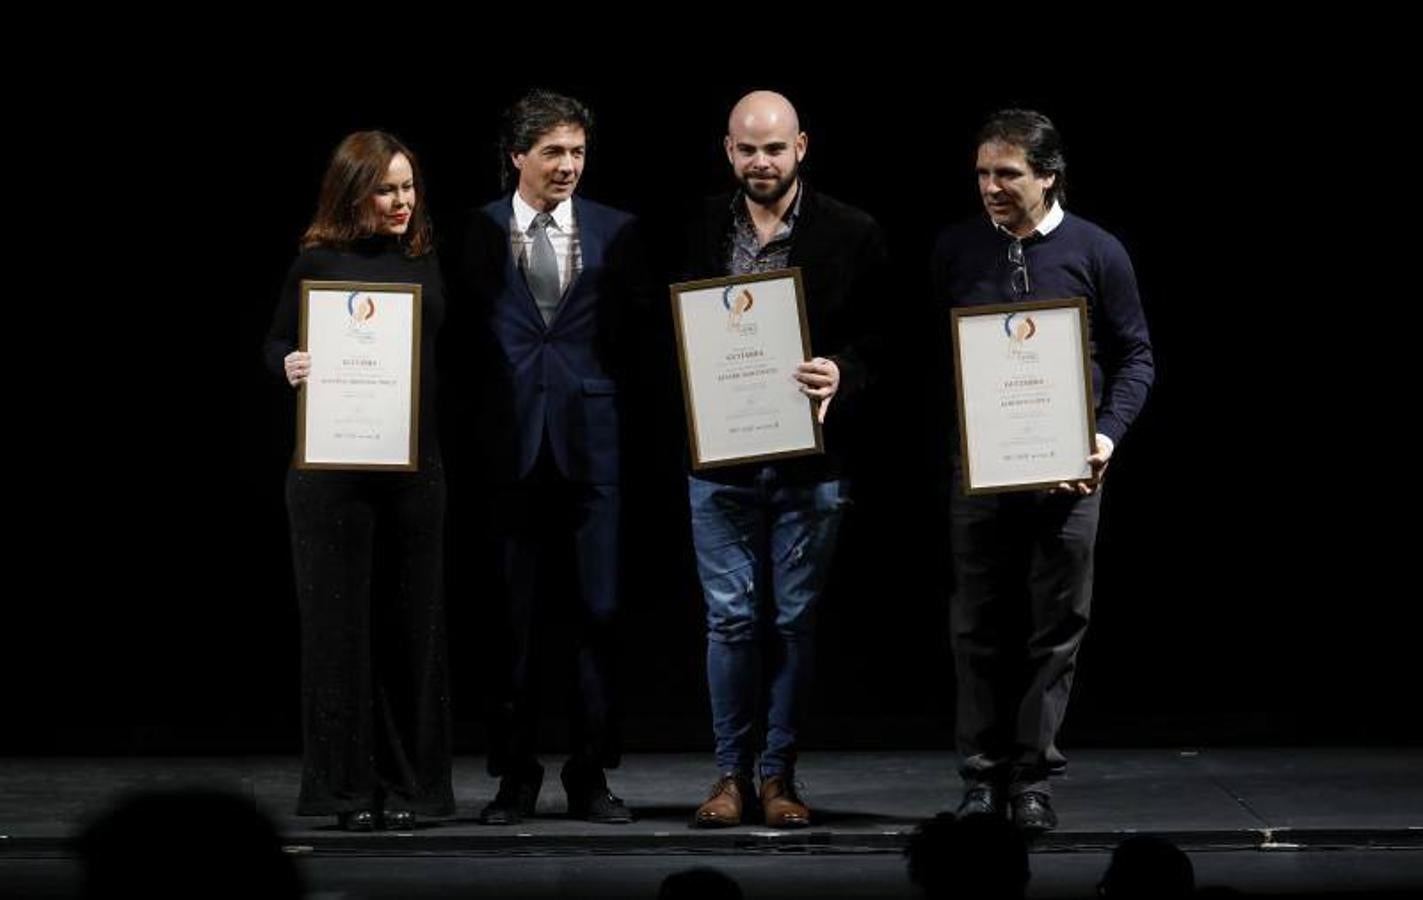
(1076, 259)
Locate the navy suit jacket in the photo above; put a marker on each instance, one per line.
(556, 382)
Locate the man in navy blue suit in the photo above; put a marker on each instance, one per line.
(552, 278)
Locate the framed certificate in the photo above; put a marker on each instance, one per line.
(359, 408)
(739, 341)
(1024, 385)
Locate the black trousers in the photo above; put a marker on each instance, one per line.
(1021, 603)
(561, 564)
(368, 549)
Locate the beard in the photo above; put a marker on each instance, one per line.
(766, 196)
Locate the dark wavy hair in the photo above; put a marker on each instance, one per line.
(1041, 144)
(531, 117)
(345, 212)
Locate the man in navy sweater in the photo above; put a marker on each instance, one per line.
(1023, 561)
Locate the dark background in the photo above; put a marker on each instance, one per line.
(1254, 562)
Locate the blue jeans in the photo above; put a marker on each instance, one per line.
(741, 535)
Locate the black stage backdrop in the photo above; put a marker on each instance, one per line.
(1254, 579)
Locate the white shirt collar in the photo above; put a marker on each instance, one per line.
(524, 214)
(1044, 228)
(1050, 221)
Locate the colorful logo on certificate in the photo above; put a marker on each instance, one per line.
(1019, 329)
(361, 307)
(738, 301)
(1022, 331)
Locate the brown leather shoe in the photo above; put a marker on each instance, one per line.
(783, 807)
(724, 805)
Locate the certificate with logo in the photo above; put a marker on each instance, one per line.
(739, 341)
(1024, 394)
(360, 405)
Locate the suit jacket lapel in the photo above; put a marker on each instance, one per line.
(590, 242)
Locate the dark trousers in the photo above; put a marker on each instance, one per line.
(561, 564)
(368, 549)
(1023, 593)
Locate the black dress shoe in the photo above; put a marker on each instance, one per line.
(398, 819)
(359, 820)
(589, 798)
(1032, 812)
(517, 798)
(981, 800)
(600, 805)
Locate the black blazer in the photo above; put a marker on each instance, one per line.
(844, 263)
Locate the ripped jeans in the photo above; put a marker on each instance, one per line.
(746, 536)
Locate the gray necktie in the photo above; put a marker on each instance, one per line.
(542, 270)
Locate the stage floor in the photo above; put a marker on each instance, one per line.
(1267, 820)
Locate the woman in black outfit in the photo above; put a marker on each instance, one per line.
(368, 545)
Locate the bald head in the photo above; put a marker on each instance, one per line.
(765, 146)
(760, 110)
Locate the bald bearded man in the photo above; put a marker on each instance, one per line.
(764, 533)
